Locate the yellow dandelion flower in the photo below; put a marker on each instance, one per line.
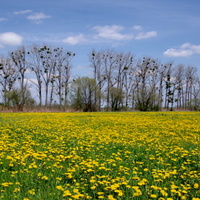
(110, 197)
(66, 193)
(76, 196)
(16, 190)
(153, 196)
(6, 184)
(59, 187)
(164, 193)
(45, 178)
(32, 192)
(100, 193)
(75, 190)
(93, 187)
(183, 197)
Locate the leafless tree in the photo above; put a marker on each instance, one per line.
(189, 81)
(19, 59)
(8, 77)
(96, 62)
(62, 74)
(146, 82)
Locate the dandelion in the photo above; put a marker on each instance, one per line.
(6, 184)
(16, 190)
(75, 191)
(183, 197)
(32, 192)
(66, 193)
(110, 197)
(164, 193)
(59, 187)
(45, 178)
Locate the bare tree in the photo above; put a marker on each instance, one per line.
(19, 59)
(35, 65)
(129, 85)
(196, 94)
(99, 73)
(179, 76)
(62, 74)
(123, 69)
(189, 80)
(111, 69)
(108, 62)
(168, 79)
(8, 77)
(146, 82)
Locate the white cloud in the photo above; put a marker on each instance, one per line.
(184, 50)
(2, 19)
(10, 39)
(136, 27)
(112, 32)
(76, 39)
(21, 12)
(146, 35)
(37, 17)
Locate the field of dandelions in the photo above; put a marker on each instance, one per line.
(122, 156)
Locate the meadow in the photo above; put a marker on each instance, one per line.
(122, 156)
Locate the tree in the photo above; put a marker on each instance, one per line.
(116, 96)
(179, 76)
(123, 70)
(62, 74)
(169, 86)
(195, 104)
(83, 93)
(111, 69)
(189, 82)
(19, 59)
(146, 96)
(18, 98)
(99, 75)
(43, 65)
(52, 70)
(8, 76)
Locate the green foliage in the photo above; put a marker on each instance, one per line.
(117, 96)
(84, 94)
(18, 98)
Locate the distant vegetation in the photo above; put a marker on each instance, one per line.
(119, 82)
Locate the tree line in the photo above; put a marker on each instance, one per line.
(119, 82)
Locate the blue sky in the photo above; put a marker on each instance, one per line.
(167, 30)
